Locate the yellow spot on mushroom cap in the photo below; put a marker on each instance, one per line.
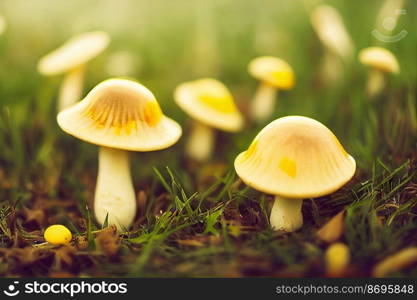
(57, 235)
(273, 71)
(75, 52)
(122, 114)
(288, 166)
(210, 102)
(295, 157)
(379, 58)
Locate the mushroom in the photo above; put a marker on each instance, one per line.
(274, 74)
(57, 235)
(70, 59)
(118, 115)
(337, 258)
(211, 105)
(293, 158)
(328, 24)
(381, 61)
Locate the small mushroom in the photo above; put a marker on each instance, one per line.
(380, 61)
(118, 115)
(57, 235)
(273, 74)
(337, 258)
(70, 59)
(294, 158)
(211, 105)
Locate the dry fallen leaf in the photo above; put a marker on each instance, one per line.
(64, 255)
(108, 241)
(395, 262)
(34, 215)
(23, 256)
(333, 229)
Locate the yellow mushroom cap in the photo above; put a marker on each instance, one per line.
(273, 71)
(379, 58)
(209, 102)
(295, 157)
(75, 52)
(121, 114)
(57, 235)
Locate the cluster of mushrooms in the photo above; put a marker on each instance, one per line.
(291, 158)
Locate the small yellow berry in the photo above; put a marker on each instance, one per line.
(57, 235)
(337, 258)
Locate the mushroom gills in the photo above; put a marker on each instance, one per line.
(115, 195)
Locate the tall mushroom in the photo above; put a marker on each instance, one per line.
(328, 24)
(70, 59)
(294, 158)
(211, 105)
(380, 61)
(118, 115)
(273, 74)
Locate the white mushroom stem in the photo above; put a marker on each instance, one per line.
(286, 214)
(71, 88)
(375, 83)
(201, 141)
(263, 103)
(115, 194)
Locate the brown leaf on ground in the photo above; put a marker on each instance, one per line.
(35, 215)
(108, 241)
(333, 230)
(64, 256)
(395, 262)
(23, 256)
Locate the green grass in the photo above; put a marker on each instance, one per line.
(200, 220)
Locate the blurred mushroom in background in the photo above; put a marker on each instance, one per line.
(380, 62)
(70, 59)
(387, 20)
(274, 74)
(211, 105)
(328, 24)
